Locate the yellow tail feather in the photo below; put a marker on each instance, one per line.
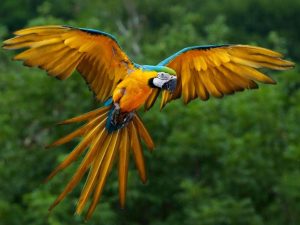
(100, 148)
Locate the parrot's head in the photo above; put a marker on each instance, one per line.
(164, 81)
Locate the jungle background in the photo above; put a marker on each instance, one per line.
(234, 161)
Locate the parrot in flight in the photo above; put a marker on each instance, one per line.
(111, 132)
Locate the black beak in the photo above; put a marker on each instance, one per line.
(170, 85)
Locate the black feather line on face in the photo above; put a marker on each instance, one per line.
(150, 83)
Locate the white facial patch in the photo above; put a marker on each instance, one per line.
(161, 79)
(159, 82)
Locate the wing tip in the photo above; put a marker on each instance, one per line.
(28, 30)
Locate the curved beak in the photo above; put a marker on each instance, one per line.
(170, 85)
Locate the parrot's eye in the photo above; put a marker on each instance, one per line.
(163, 76)
(164, 81)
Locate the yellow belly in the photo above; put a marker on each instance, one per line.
(133, 91)
(133, 99)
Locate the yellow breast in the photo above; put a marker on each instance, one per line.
(133, 91)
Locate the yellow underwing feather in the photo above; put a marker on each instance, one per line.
(239, 81)
(69, 69)
(220, 83)
(210, 86)
(42, 30)
(34, 53)
(34, 41)
(197, 63)
(186, 77)
(60, 50)
(221, 70)
(50, 65)
(86, 47)
(201, 88)
(256, 50)
(57, 68)
(35, 59)
(245, 62)
(215, 60)
(262, 58)
(193, 88)
(203, 62)
(204, 86)
(249, 72)
(21, 42)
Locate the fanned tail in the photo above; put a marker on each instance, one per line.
(101, 148)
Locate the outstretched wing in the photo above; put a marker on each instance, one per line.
(62, 49)
(203, 71)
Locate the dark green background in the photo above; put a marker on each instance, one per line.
(222, 162)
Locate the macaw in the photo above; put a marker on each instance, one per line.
(124, 86)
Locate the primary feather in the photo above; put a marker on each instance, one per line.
(204, 71)
(60, 50)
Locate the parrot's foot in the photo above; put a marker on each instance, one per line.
(115, 114)
(128, 118)
(119, 118)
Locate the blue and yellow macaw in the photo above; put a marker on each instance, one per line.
(124, 86)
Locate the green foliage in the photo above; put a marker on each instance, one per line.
(230, 161)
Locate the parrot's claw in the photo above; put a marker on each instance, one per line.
(120, 119)
(115, 114)
(128, 118)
